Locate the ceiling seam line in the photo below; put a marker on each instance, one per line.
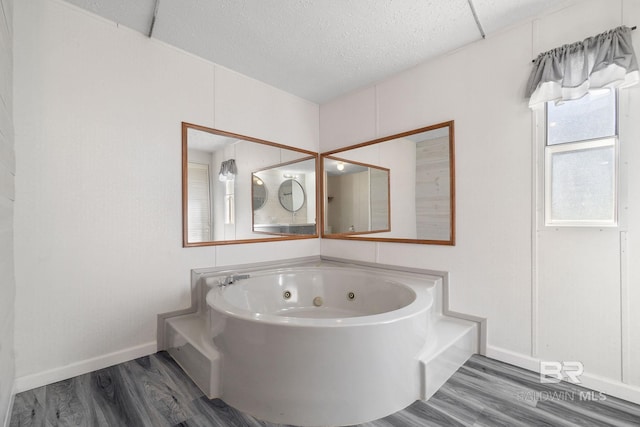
(155, 14)
(475, 17)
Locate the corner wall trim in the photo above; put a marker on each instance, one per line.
(7, 417)
(32, 381)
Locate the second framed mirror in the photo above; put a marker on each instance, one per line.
(399, 188)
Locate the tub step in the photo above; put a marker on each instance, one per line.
(457, 340)
(186, 343)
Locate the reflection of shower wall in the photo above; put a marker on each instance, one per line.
(379, 190)
(272, 212)
(344, 210)
(433, 208)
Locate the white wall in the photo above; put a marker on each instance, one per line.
(98, 243)
(492, 265)
(7, 197)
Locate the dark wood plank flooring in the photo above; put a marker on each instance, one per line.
(153, 391)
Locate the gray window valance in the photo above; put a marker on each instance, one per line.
(570, 71)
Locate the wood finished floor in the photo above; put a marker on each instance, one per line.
(154, 391)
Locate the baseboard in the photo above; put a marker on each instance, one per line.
(605, 385)
(29, 382)
(513, 358)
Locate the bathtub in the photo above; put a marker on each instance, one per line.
(320, 345)
(315, 341)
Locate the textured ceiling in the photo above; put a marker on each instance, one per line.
(318, 49)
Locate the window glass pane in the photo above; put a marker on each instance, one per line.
(590, 117)
(583, 184)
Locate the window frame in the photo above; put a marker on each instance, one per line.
(549, 150)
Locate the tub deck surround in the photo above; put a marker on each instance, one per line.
(318, 341)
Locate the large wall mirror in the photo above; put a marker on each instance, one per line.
(400, 188)
(239, 189)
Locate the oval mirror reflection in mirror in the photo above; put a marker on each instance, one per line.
(291, 195)
(259, 193)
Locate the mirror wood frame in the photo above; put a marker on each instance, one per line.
(359, 236)
(185, 201)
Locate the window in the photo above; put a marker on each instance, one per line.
(581, 153)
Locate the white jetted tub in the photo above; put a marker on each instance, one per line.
(321, 344)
